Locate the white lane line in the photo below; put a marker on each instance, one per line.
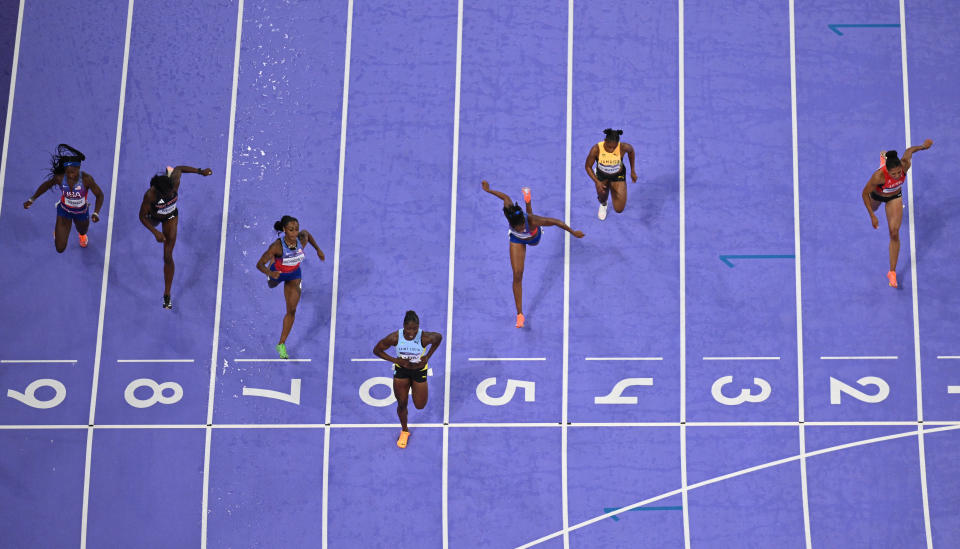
(40, 427)
(335, 284)
(682, 153)
(565, 385)
(913, 285)
(729, 476)
(859, 358)
(281, 360)
(741, 358)
(155, 360)
(795, 166)
(103, 279)
(622, 358)
(13, 87)
(368, 360)
(227, 176)
(953, 389)
(673, 424)
(507, 359)
(38, 361)
(948, 357)
(448, 344)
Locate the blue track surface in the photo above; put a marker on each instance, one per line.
(626, 382)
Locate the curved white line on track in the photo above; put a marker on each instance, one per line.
(734, 474)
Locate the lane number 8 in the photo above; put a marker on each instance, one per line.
(157, 390)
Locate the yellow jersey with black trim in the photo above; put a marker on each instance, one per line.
(609, 162)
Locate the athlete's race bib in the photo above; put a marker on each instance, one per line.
(74, 202)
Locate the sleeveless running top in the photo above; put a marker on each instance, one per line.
(73, 198)
(410, 349)
(609, 162)
(291, 259)
(527, 233)
(890, 185)
(164, 209)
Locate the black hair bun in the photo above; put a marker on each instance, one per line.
(278, 226)
(892, 155)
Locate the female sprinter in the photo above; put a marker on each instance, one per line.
(885, 185)
(73, 208)
(284, 257)
(409, 367)
(611, 174)
(159, 207)
(525, 229)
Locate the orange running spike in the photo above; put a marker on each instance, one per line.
(402, 441)
(892, 278)
(526, 194)
(83, 241)
(520, 320)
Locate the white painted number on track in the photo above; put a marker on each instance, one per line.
(528, 388)
(28, 396)
(156, 394)
(371, 400)
(387, 382)
(745, 394)
(293, 397)
(837, 387)
(615, 396)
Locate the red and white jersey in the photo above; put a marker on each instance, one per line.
(890, 185)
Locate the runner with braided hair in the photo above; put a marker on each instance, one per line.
(73, 209)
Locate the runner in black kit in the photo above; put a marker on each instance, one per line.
(159, 207)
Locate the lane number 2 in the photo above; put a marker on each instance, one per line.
(837, 387)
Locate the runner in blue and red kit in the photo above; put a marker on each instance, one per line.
(73, 207)
(526, 229)
(281, 263)
(885, 187)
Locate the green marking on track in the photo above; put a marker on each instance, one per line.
(663, 508)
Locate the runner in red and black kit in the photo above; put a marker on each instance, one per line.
(73, 207)
(159, 207)
(885, 186)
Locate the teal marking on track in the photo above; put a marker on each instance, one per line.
(666, 508)
(726, 258)
(836, 28)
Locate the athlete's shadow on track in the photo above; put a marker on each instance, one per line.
(931, 220)
(655, 194)
(318, 295)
